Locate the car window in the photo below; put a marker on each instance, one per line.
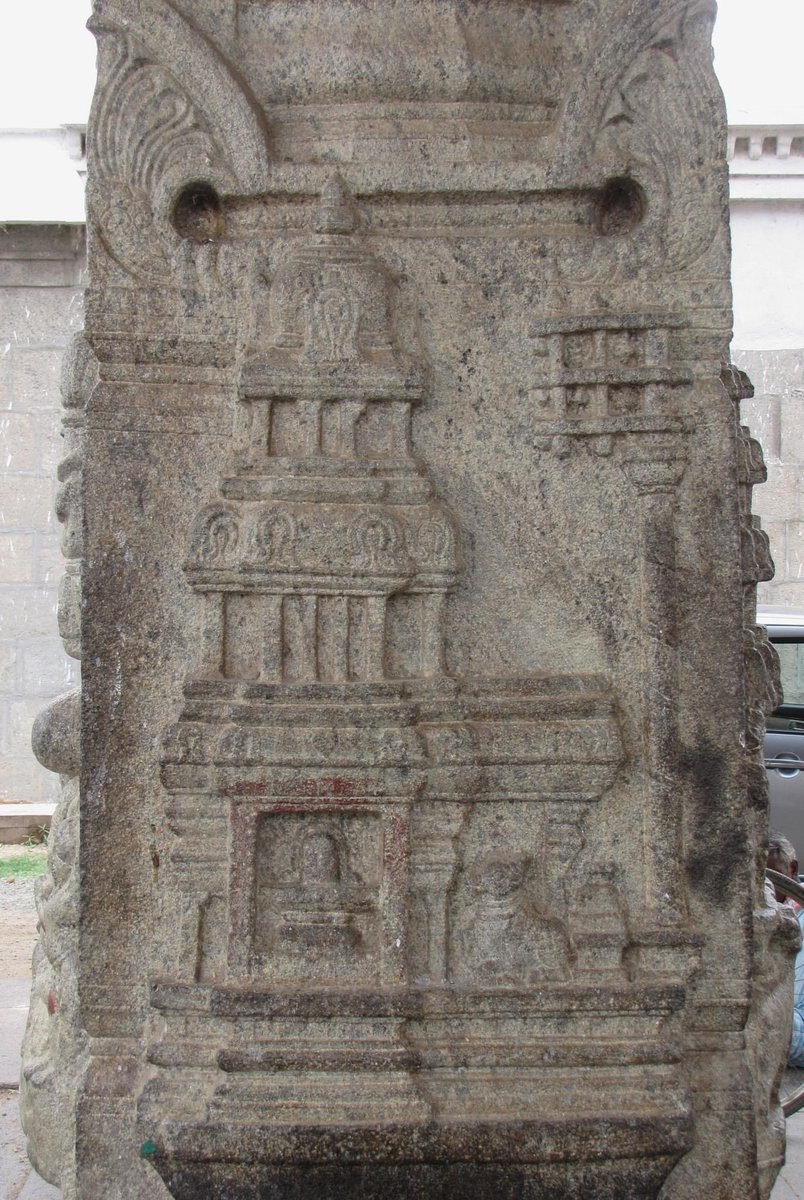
(784, 737)
(791, 660)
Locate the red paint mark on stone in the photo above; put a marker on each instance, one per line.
(396, 847)
(347, 787)
(51, 1004)
(329, 786)
(250, 788)
(335, 787)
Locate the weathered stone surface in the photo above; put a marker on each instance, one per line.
(54, 1051)
(422, 695)
(776, 417)
(56, 735)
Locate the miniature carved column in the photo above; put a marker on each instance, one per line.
(433, 661)
(211, 646)
(656, 473)
(436, 866)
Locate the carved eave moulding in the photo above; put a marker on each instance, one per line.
(764, 143)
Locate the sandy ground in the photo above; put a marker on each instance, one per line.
(17, 926)
(18, 1180)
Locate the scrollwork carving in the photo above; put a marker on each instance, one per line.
(274, 536)
(650, 96)
(158, 126)
(376, 542)
(433, 544)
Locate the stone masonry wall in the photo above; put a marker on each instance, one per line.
(776, 417)
(41, 305)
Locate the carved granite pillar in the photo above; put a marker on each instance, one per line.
(54, 1046)
(417, 726)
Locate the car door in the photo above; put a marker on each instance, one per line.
(784, 740)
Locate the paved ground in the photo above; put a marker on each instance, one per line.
(790, 1183)
(18, 1180)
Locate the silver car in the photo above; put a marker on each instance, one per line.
(784, 736)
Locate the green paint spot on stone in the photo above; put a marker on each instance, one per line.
(147, 1149)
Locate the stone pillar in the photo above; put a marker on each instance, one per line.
(416, 724)
(54, 1046)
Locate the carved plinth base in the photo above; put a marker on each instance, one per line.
(643, 1152)
(380, 978)
(354, 1092)
(295, 1091)
(454, 1093)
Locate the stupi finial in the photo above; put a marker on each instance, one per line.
(336, 210)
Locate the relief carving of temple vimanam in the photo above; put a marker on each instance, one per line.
(412, 802)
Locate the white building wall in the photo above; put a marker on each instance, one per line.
(767, 238)
(40, 307)
(767, 229)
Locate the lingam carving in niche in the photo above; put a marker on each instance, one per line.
(316, 889)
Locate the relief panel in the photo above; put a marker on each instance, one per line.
(316, 897)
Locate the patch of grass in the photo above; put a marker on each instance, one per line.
(37, 839)
(18, 866)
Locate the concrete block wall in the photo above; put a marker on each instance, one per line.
(776, 417)
(41, 273)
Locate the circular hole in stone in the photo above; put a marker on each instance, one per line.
(621, 205)
(197, 213)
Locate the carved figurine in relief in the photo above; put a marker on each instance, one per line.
(316, 894)
(326, 896)
(505, 936)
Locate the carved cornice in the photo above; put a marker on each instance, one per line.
(754, 142)
(766, 162)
